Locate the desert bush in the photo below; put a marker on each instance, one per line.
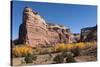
(64, 54)
(68, 47)
(21, 51)
(70, 59)
(29, 58)
(73, 46)
(67, 54)
(58, 58)
(76, 51)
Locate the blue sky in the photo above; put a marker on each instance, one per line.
(73, 16)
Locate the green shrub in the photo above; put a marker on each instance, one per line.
(29, 58)
(70, 59)
(76, 51)
(58, 59)
(67, 54)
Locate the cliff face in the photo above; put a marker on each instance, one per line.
(89, 34)
(35, 32)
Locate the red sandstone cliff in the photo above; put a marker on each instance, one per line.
(35, 32)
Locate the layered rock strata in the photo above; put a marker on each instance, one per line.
(35, 32)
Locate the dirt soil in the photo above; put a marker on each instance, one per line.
(46, 59)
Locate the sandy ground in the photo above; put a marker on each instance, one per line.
(41, 59)
(46, 59)
(85, 58)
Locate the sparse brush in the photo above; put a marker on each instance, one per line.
(73, 46)
(58, 59)
(67, 54)
(29, 58)
(76, 51)
(70, 59)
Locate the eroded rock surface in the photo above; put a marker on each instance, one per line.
(89, 34)
(35, 32)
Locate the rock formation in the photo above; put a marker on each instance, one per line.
(35, 32)
(89, 34)
(76, 37)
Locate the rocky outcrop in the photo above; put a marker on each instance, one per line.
(35, 32)
(76, 37)
(89, 34)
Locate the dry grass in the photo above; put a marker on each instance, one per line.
(19, 51)
(81, 45)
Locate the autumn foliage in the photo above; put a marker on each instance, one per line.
(19, 51)
(68, 47)
(22, 51)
